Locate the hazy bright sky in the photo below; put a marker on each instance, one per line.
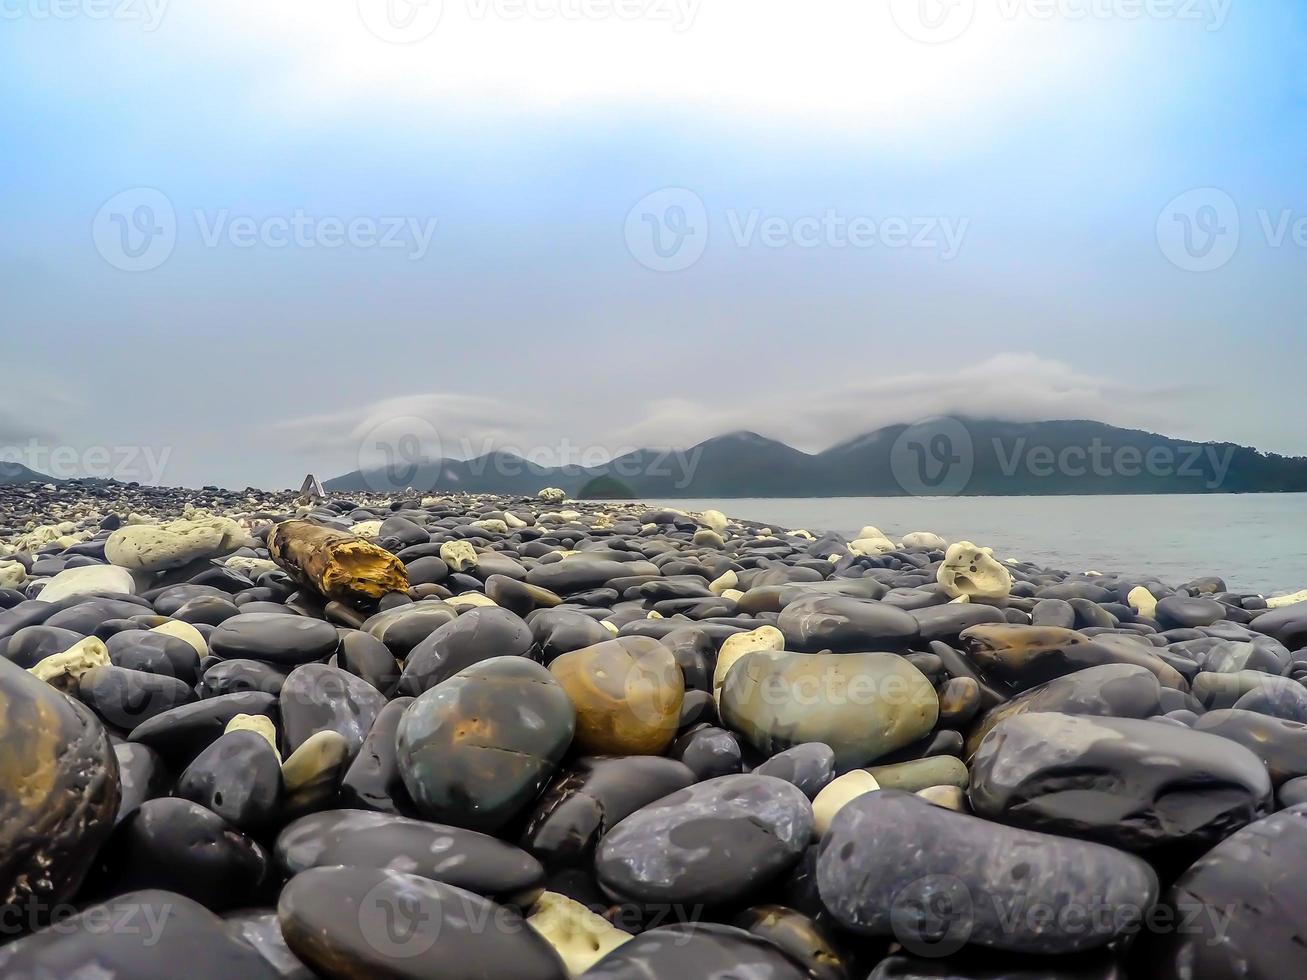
(259, 238)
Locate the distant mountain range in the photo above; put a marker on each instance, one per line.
(950, 456)
(18, 473)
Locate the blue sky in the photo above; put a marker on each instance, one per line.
(885, 223)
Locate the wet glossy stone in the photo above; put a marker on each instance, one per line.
(809, 766)
(627, 693)
(678, 952)
(863, 705)
(59, 794)
(559, 631)
(159, 935)
(979, 964)
(180, 846)
(364, 922)
(318, 698)
(799, 937)
(475, 750)
(141, 776)
(404, 627)
(179, 735)
(591, 798)
(124, 698)
(1129, 783)
(276, 638)
(826, 622)
(459, 857)
(155, 653)
(1244, 906)
(236, 676)
(238, 777)
(1021, 657)
(475, 636)
(1112, 690)
(32, 644)
(366, 657)
(372, 781)
(1280, 744)
(711, 844)
(262, 931)
(708, 750)
(893, 865)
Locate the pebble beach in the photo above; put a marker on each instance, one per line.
(473, 737)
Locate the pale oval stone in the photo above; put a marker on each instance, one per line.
(86, 580)
(972, 571)
(949, 797)
(872, 546)
(735, 595)
(470, 599)
(1275, 602)
(1143, 602)
(837, 794)
(714, 519)
(804, 533)
(708, 538)
(259, 724)
(862, 705)
(737, 645)
(63, 669)
(250, 567)
(458, 555)
(552, 495)
(155, 547)
(367, 530)
(12, 574)
(871, 531)
(579, 936)
(319, 754)
(184, 631)
(513, 521)
(725, 582)
(499, 527)
(924, 539)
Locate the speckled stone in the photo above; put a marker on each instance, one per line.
(1125, 782)
(364, 922)
(710, 844)
(238, 777)
(863, 705)
(893, 865)
(1244, 906)
(475, 750)
(59, 795)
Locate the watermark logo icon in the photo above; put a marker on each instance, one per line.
(667, 231)
(397, 923)
(933, 21)
(1199, 230)
(933, 458)
(136, 229)
(401, 21)
(394, 451)
(933, 916)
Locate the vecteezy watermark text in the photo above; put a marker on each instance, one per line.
(126, 464)
(669, 230)
(941, 21)
(148, 13)
(137, 229)
(1202, 229)
(940, 457)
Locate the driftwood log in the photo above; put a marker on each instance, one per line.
(337, 564)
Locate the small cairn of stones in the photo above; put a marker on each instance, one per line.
(300, 734)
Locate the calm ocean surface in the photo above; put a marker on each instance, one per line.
(1256, 542)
